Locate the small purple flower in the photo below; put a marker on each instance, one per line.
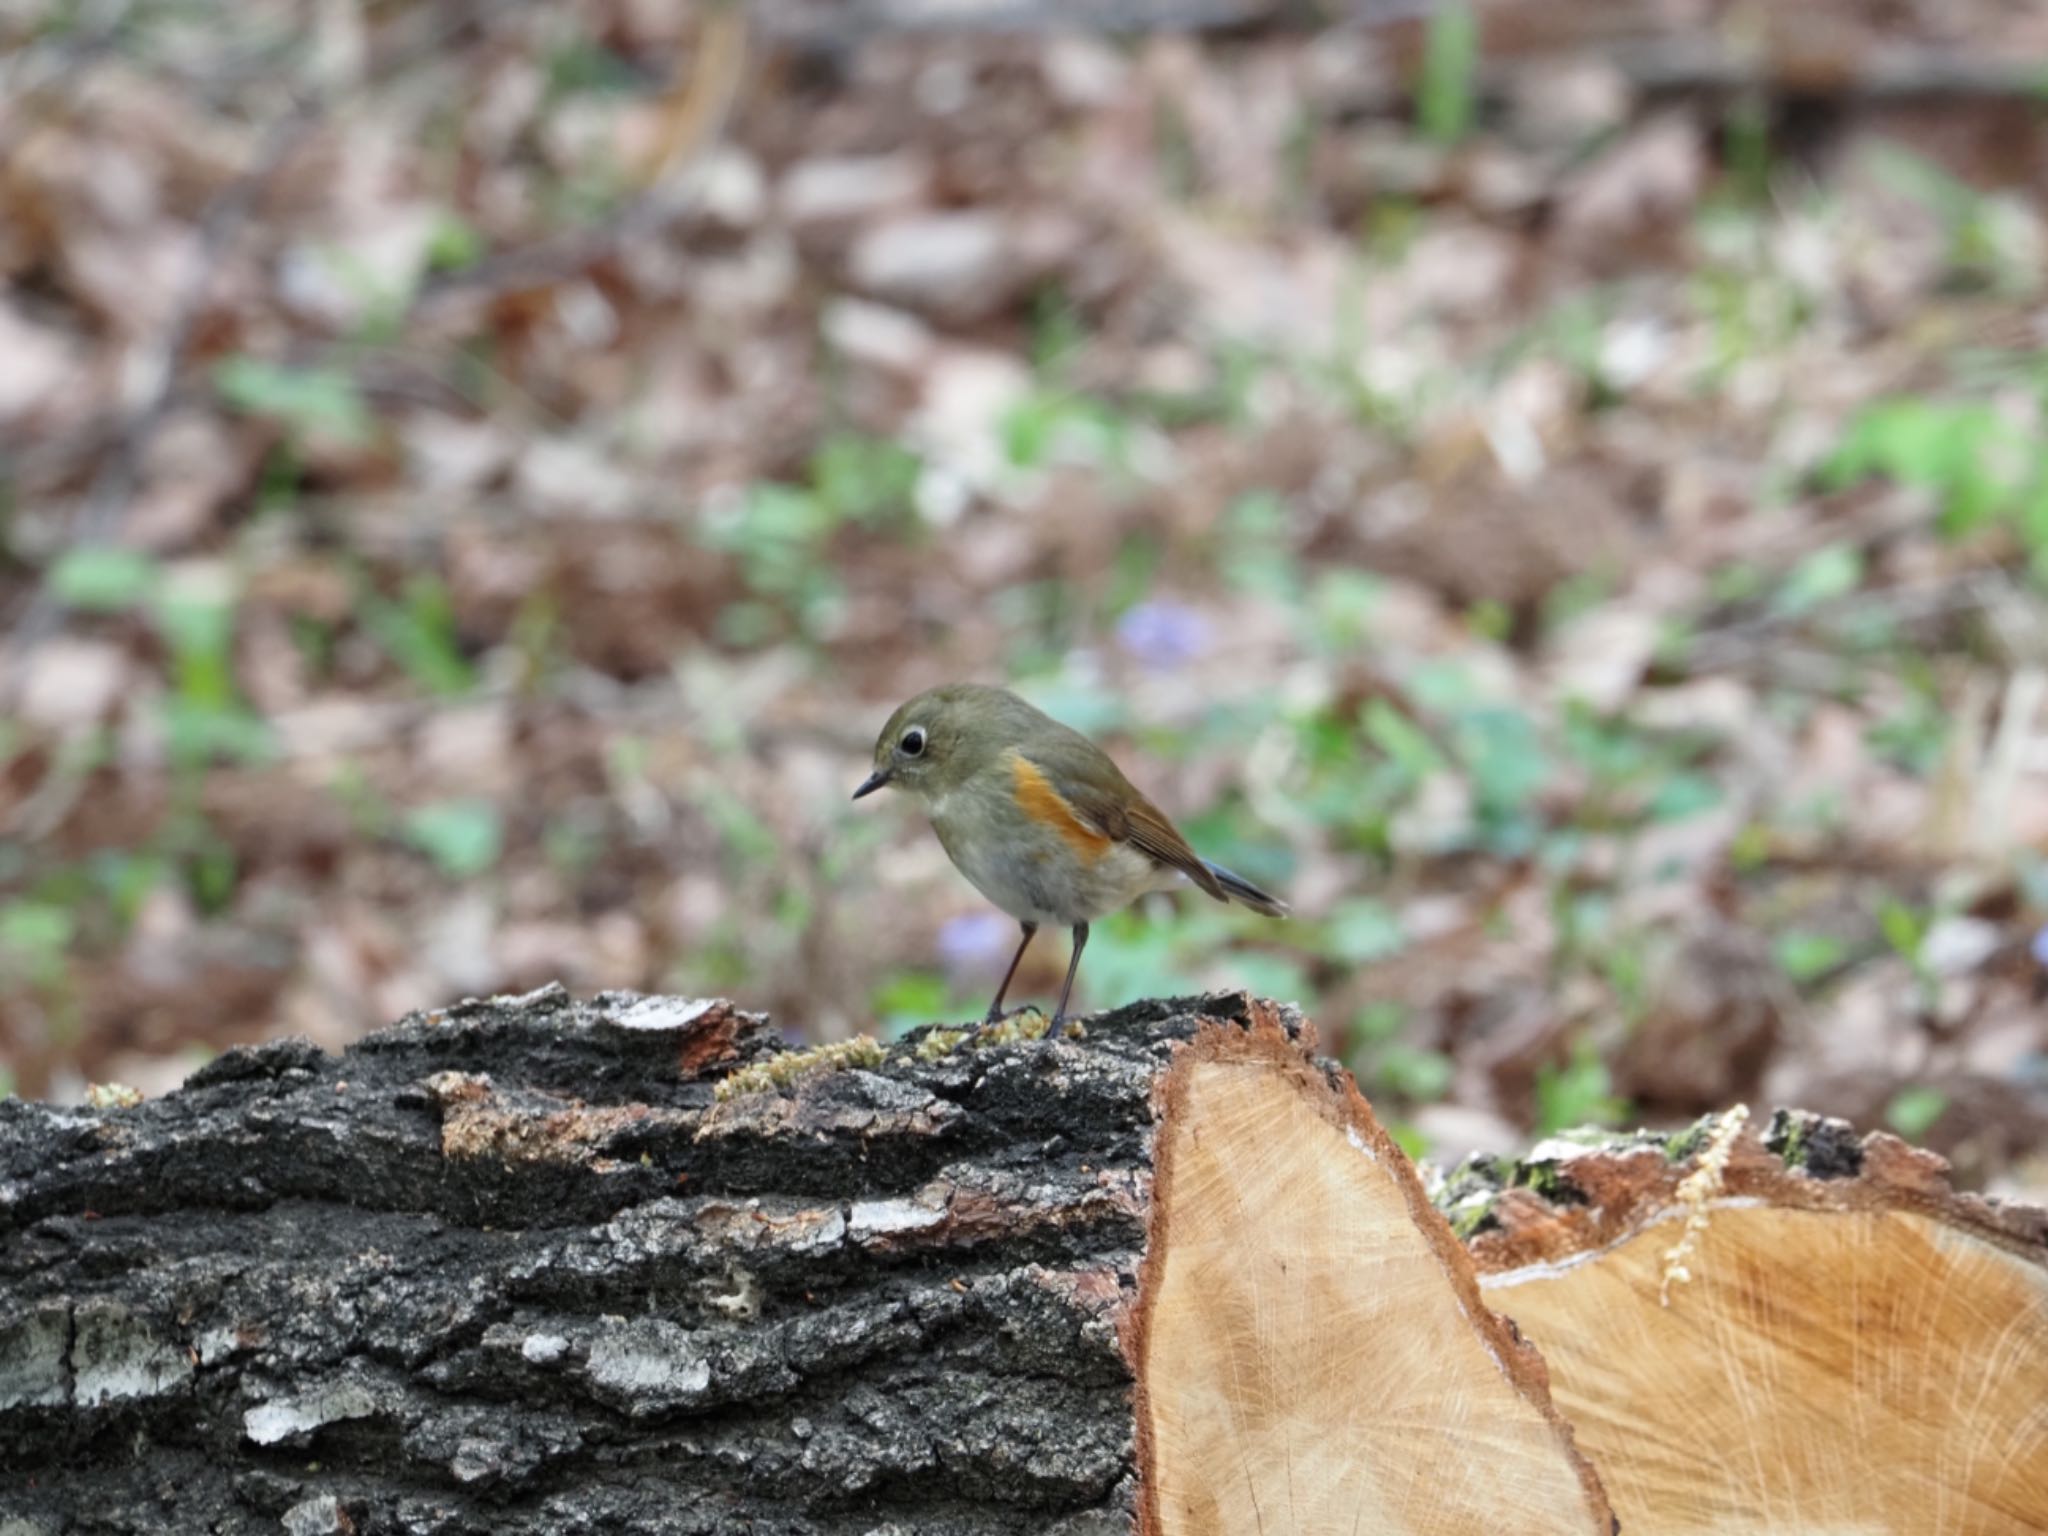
(978, 943)
(1163, 635)
(2038, 948)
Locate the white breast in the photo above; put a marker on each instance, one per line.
(1062, 891)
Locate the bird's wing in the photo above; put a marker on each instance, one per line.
(1131, 818)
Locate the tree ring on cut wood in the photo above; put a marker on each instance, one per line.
(1311, 1349)
(1856, 1347)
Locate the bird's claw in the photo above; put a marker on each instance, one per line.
(1043, 1053)
(997, 1016)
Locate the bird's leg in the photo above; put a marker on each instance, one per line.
(1059, 1014)
(995, 1009)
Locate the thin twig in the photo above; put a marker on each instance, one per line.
(817, 22)
(2005, 760)
(1689, 65)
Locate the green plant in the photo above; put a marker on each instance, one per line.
(1407, 746)
(1341, 605)
(1750, 306)
(1981, 467)
(717, 963)
(1830, 572)
(314, 641)
(1129, 956)
(1409, 1072)
(1636, 776)
(1914, 1109)
(1253, 550)
(35, 940)
(462, 837)
(123, 879)
(1682, 794)
(102, 578)
(1746, 147)
(1447, 90)
(1266, 973)
(1490, 621)
(1990, 237)
(1916, 732)
(1575, 597)
(1386, 234)
(1508, 767)
(1575, 330)
(1058, 426)
(205, 861)
(906, 999)
(369, 814)
(581, 63)
(1583, 920)
(573, 843)
(205, 717)
(1977, 461)
(778, 534)
(1390, 1066)
(1905, 929)
(1624, 964)
(1360, 772)
(455, 245)
(418, 632)
(1578, 1093)
(381, 298)
(1058, 332)
(1806, 957)
(859, 478)
(304, 401)
(1361, 930)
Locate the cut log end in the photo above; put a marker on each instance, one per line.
(1313, 1356)
(1768, 1350)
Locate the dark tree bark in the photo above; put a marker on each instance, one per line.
(512, 1268)
(535, 1265)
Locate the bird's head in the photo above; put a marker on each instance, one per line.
(933, 742)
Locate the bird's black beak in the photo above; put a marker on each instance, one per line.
(873, 782)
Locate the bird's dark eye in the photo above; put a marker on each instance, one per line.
(912, 744)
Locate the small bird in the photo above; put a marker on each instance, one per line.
(1037, 817)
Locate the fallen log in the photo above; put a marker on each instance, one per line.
(535, 1265)
(626, 1265)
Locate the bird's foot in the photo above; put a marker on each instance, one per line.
(998, 1015)
(1056, 1029)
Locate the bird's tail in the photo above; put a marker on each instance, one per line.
(1240, 889)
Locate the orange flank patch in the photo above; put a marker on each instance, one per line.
(1046, 806)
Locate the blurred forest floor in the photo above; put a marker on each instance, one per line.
(1564, 498)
